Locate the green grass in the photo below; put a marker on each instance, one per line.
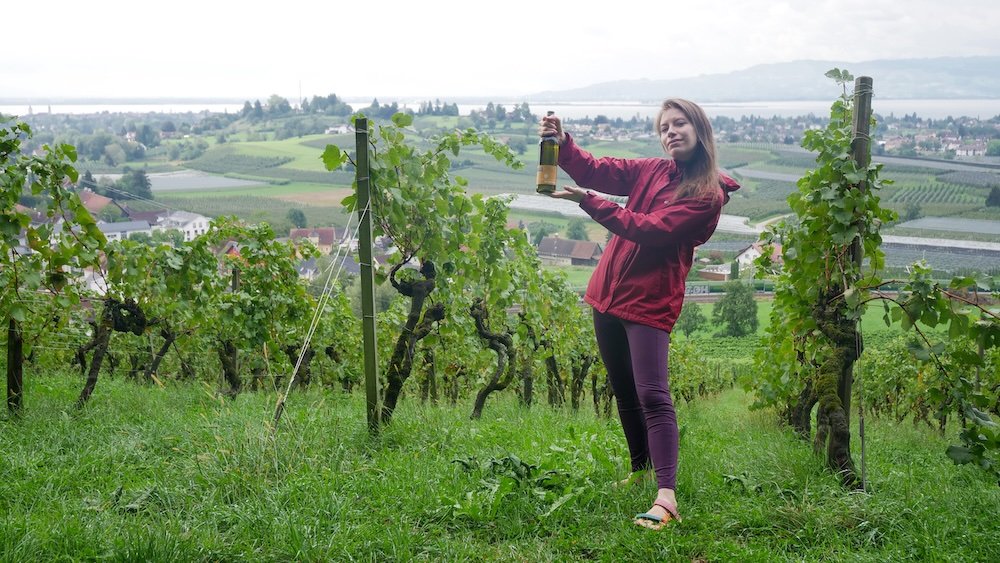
(623, 149)
(732, 155)
(302, 155)
(595, 232)
(175, 474)
(737, 352)
(871, 321)
(577, 276)
(268, 191)
(255, 208)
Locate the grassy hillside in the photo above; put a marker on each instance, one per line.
(177, 474)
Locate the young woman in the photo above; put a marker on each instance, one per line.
(637, 290)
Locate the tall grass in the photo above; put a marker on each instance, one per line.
(177, 474)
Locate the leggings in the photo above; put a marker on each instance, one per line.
(635, 356)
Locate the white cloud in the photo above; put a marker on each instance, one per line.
(115, 48)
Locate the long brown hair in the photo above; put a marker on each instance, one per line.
(701, 175)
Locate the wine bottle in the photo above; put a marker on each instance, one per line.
(548, 159)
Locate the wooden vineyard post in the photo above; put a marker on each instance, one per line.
(861, 151)
(367, 275)
(15, 367)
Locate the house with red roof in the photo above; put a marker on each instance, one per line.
(568, 252)
(92, 201)
(325, 238)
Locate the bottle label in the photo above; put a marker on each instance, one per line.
(547, 174)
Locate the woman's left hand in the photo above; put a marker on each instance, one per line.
(571, 193)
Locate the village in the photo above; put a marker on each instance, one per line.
(909, 135)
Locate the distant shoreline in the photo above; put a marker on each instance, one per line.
(982, 108)
(471, 100)
(58, 100)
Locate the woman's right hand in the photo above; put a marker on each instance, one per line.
(551, 126)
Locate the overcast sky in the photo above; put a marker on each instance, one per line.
(445, 48)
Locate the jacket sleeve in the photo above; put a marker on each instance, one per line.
(610, 175)
(686, 219)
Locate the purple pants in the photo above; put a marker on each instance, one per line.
(635, 356)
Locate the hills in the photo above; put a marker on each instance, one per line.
(935, 78)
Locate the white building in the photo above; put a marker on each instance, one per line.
(94, 281)
(191, 224)
(748, 255)
(122, 230)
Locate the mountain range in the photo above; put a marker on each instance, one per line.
(932, 78)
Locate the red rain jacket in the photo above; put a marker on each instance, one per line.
(640, 276)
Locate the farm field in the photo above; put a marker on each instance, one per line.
(943, 260)
(297, 192)
(257, 208)
(262, 180)
(954, 225)
(177, 474)
(769, 174)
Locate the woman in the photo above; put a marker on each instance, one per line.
(638, 287)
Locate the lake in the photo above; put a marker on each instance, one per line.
(83, 109)
(934, 109)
